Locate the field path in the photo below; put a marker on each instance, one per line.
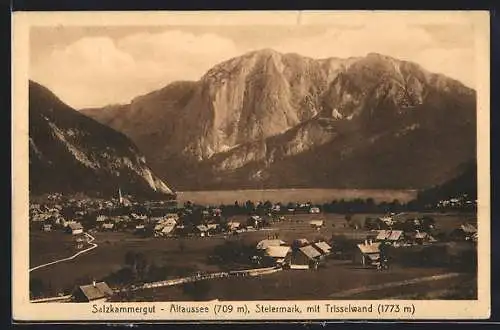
(347, 293)
(93, 246)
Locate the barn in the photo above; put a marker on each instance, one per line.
(95, 292)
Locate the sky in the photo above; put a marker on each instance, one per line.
(89, 66)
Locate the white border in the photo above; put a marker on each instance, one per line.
(22, 21)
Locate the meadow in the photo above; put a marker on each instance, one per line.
(185, 256)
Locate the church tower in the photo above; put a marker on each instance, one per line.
(120, 198)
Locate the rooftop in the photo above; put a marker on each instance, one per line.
(323, 247)
(97, 291)
(369, 248)
(277, 251)
(310, 251)
(264, 244)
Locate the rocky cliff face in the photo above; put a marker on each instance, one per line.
(267, 119)
(69, 152)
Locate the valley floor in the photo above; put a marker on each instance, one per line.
(338, 279)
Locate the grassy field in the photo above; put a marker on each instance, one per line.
(293, 195)
(312, 285)
(109, 257)
(49, 246)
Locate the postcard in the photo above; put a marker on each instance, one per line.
(251, 165)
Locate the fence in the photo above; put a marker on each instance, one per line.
(52, 299)
(194, 278)
(177, 281)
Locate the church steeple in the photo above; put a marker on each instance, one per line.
(120, 198)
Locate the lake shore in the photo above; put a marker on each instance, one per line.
(316, 196)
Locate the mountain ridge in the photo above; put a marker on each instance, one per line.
(251, 112)
(72, 153)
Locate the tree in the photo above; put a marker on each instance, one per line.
(427, 223)
(198, 290)
(370, 205)
(130, 259)
(249, 206)
(37, 287)
(268, 205)
(141, 265)
(137, 262)
(395, 205)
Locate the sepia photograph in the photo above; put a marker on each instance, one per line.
(201, 159)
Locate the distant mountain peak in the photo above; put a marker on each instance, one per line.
(265, 111)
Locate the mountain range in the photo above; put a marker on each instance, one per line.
(272, 120)
(71, 153)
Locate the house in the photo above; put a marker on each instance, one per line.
(254, 221)
(213, 228)
(95, 292)
(421, 237)
(314, 210)
(158, 229)
(299, 243)
(264, 244)
(138, 216)
(201, 230)
(75, 228)
(368, 253)
(232, 225)
(322, 248)
(465, 232)
(140, 228)
(388, 220)
(317, 224)
(169, 221)
(393, 237)
(276, 208)
(101, 218)
(468, 229)
(108, 226)
(279, 255)
(306, 257)
(167, 230)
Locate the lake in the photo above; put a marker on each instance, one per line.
(316, 196)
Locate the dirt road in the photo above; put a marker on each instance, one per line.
(93, 246)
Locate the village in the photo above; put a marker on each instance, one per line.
(297, 236)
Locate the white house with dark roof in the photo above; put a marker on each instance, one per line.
(280, 254)
(95, 292)
(306, 257)
(299, 242)
(167, 230)
(201, 230)
(323, 247)
(265, 243)
(75, 228)
(107, 226)
(233, 225)
(317, 224)
(393, 237)
(368, 253)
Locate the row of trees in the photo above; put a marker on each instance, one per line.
(358, 205)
